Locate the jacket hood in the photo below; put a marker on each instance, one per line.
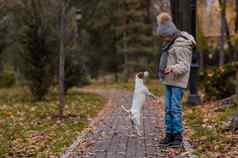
(188, 41)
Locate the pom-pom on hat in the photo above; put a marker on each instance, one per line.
(166, 27)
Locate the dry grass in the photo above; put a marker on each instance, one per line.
(29, 129)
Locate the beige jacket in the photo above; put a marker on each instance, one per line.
(179, 59)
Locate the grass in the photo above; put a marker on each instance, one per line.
(30, 129)
(208, 133)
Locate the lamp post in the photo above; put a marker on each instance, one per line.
(62, 62)
(194, 98)
(184, 15)
(78, 19)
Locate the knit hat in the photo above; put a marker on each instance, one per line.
(166, 27)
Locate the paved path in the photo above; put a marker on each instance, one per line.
(113, 136)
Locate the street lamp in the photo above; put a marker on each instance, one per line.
(78, 19)
(184, 15)
(194, 98)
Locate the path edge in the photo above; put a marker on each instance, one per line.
(100, 116)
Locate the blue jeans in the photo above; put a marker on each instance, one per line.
(173, 110)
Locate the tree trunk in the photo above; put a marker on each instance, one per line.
(125, 53)
(225, 32)
(234, 121)
(62, 62)
(236, 31)
(236, 20)
(222, 38)
(202, 63)
(236, 48)
(228, 37)
(237, 85)
(148, 16)
(228, 34)
(126, 66)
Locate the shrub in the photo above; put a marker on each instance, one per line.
(38, 48)
(219, 82)
(7, 80)
(75, 71)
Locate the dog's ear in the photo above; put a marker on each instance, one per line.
(140, 75)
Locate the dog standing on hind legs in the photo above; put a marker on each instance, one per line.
(139, 96)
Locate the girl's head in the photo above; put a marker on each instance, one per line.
(166, 28)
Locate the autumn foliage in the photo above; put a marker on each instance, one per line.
(219, 82)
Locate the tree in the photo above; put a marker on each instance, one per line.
(119, 36)
(236, 50)
(222, 4)
(4, 31)
(110, 40)
(234, 122)
(134, 32)
(35, 37)
(62, 57)
(98, 38)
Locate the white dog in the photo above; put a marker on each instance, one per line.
(139, 96)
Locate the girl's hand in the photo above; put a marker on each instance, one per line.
(168, 70)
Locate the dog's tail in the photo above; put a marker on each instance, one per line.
(125, 109)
